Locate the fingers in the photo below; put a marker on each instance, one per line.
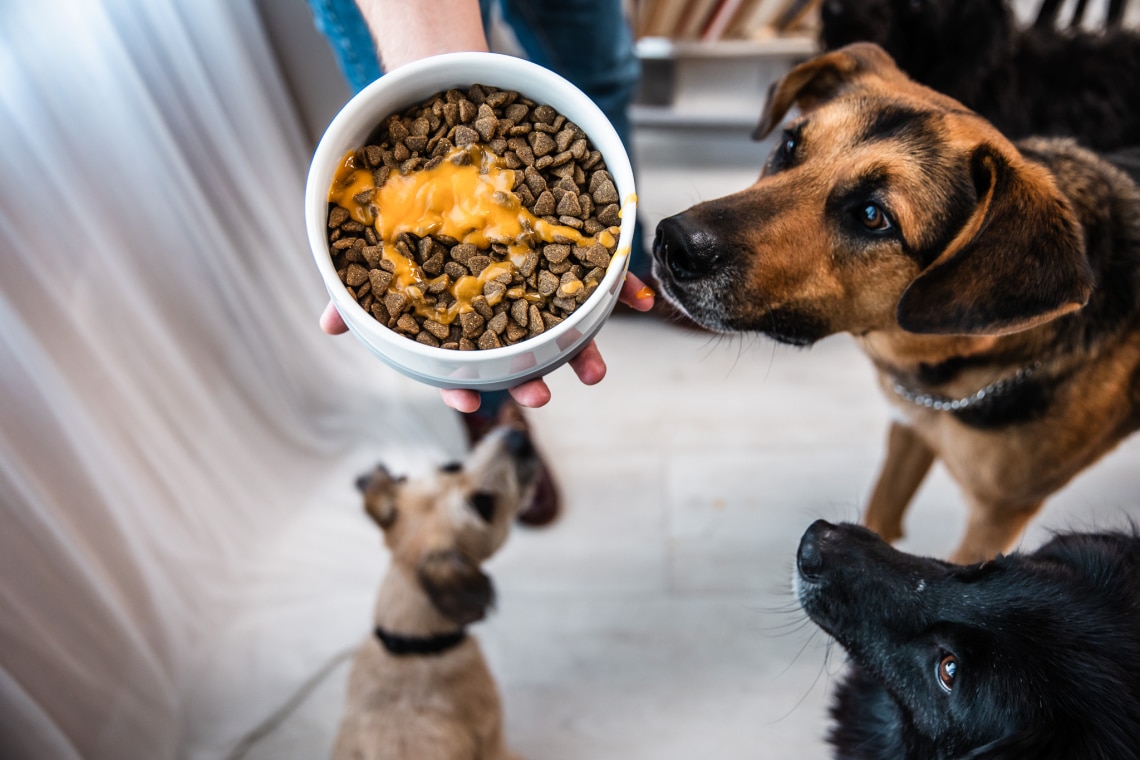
(332, 322)
(636, 294)
(460, 400)
(588, 365)
(533, 394)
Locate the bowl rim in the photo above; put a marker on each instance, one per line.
(451, 67)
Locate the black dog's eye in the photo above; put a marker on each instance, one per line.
(874, 218)
(484, 503)
(947, 672)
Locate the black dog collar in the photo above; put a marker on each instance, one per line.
(408, 645)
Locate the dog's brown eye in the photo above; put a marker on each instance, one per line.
(873, 218)
(947, 671)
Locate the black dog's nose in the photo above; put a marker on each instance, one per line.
(688, 250)
(809, 558)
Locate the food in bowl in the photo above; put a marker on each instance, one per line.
(475, 219)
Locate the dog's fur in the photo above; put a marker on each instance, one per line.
(891, 212)
(1045, 648)
(404, 704)
(1026, 81)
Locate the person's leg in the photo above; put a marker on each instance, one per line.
(590, 43)
(587, 41)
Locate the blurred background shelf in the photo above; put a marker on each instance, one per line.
(707, 64)
(661, 48)
(690, 84)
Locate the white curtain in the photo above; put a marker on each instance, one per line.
(177, 438)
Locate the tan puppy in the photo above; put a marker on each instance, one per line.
(420, 688)
(995, 288)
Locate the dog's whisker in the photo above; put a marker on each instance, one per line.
(786, 629)
(803, 648)
(810, 688)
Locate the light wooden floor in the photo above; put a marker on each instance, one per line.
(655, 620)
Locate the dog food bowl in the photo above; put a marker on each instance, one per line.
(489, 369)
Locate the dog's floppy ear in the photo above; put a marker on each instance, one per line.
(456, 586)
(820, 79)
(1018, 261)
(379, 490)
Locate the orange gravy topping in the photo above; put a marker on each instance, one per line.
(470, 201)
(644, 292)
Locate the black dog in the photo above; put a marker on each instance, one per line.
(1034, 81)
(1029, 656)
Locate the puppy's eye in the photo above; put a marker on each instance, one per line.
(874, 218)
(484, 503)
(947, 672)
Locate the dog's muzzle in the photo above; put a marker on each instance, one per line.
(686, 251)
(809, 557)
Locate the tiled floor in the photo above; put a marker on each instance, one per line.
(655, 620)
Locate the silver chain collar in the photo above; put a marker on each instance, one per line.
(946, 404)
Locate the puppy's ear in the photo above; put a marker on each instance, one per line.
(456, 586)
(1018, 261)
(821, 79)
(379, 490)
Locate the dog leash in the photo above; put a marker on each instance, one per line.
(402, 646)
(945, 403)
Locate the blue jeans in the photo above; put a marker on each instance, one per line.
(588, 42)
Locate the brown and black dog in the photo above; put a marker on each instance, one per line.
(996, 288)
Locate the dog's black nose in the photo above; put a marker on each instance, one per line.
(688, 250)
(362, 483)
(519, 443)
(809, 558)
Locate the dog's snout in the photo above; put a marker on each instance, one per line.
(809, 557)
(688, 250)
(519, 444)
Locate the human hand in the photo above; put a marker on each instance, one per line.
(588, 365)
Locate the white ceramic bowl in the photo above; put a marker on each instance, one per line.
(491, 369)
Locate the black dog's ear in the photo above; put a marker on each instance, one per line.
(379, 490)
(821, 79)
(456, 586)
(1018, 261)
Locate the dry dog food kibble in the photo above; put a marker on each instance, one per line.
(476, 219)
